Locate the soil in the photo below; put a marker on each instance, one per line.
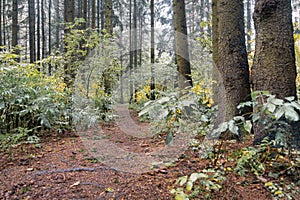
(64, 168)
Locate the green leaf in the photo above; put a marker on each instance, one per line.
(295, 105)
(278, 102)
(169, 138)
(271, 107)
(196, 176)
(290, 114)
(279, 113)
(182, 180)
(290, 98)
(233, 128)
(189, 185)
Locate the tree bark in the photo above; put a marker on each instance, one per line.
(274, 66)
(31, 13)
(152, 52)
(93, 14)
(181, 47)
(14, 29)
(232, 60)
(38, 30)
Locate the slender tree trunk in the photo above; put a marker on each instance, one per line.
(108, 12)
(84, 12)
(130, 51)
(38, 54)
(182, 47)
(43, 29)
(14, 28)
(102, 14)
(134, 41)
(107, 72)
(152, 52)
(31, 13)
(57, 26)
(1, 43)
(50, 35)
(232, 57)
(93, 14)
(4, 22)
(98, 15)
(69, 18)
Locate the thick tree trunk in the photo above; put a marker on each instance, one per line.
(274, 68)
(232, 60)
(182, 47)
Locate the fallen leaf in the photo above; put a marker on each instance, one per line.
(75, 184)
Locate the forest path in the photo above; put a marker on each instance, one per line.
(65, 167)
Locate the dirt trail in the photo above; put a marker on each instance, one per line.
(65, 167)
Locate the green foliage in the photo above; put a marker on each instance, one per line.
(30, 99)
(272, 115)
(203, 183)
(170, 114)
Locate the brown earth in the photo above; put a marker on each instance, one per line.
(63, 168)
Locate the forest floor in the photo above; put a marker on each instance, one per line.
(64, 168)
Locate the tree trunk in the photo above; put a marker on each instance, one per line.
(84, 12)
(69, 18)
(93, 14)
(108, 12)
(38, 30)
(50, 35)
(248, 25)
(232, 60)
(181, 47)
(57, 26)
(43, 29)
(31, 13)
(134, 41)
(152, 52)
(1, 43)
(4, 22)
(274, 68)
(14, 28)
